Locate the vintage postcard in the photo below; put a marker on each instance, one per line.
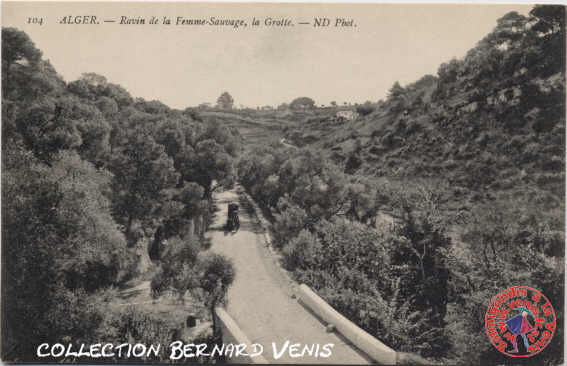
(297, 183)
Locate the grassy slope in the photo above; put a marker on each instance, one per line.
(253, 129)
(447, 140)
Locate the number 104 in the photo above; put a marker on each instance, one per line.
(34, 20)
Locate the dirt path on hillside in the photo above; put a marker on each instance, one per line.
(260, 299)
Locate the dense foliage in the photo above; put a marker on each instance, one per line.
(411, 217)
(93, 182)
(323, 223)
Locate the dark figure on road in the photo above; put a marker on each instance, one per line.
(233, 222)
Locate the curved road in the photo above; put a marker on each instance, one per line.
(260, 299)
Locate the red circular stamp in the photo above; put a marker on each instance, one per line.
(520, 321)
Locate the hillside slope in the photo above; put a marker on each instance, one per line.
(491, 125)
(252, 128)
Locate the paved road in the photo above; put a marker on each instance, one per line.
(260, 299)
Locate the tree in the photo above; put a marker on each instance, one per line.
(217, 275)
(142, 175)
(550, 29)
(209, 157)
(211, 163)
(551, 18)
(94, 79)
(225, 101)
(29, 233)
(96, 236)
(189, 200)
(206, 277)
(362, 195)
(397, 97)
(16, 47)
(93, 128)
(289, 221)
(46, 128)
(61, 244)
(396, 90)
(302, 103)
(283, 107)
(366, 108)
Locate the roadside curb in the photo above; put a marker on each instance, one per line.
(265, 224)
(275, 255)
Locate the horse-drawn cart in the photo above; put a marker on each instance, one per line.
(232, 223)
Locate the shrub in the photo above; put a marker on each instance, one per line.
(365, 109)
(159, 284)
(288, 222)
(138, 326)
(301, 251)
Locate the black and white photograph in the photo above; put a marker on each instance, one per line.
(282, 182)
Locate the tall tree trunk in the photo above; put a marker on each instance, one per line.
(129, 231)
(6, 81)
(208, 191)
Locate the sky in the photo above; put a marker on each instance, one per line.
(184, 66)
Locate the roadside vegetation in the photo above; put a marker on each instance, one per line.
(95, 184)
(411, 216)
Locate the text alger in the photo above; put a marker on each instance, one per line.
(79, 19)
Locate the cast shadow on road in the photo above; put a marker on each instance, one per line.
(250, 226)
(245, 225)
(206, 243)
(128, 294)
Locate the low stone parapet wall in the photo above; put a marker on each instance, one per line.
(375, 349)
(231, 333)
